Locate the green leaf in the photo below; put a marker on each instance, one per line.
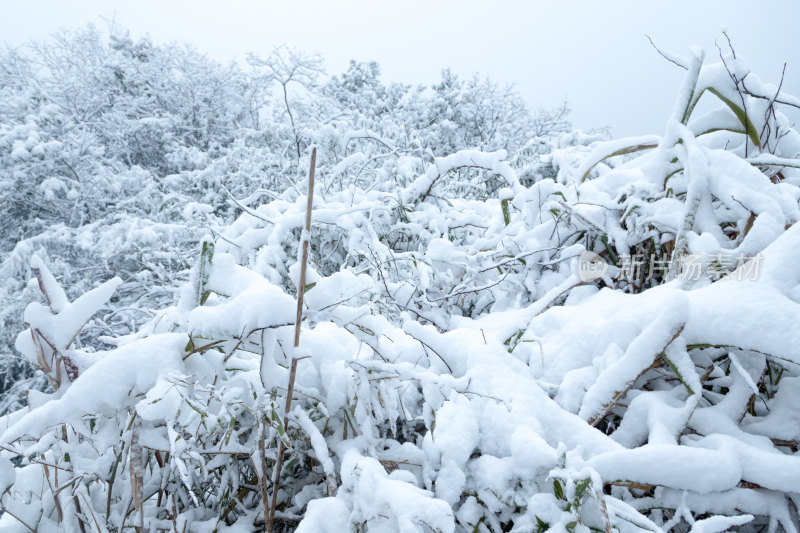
(741, 115)
(541, 525)
(622, 151)
(612, 255)
(513, 340)
(278, 424)
(204, 297)
(675, 371)
(712, 130)
(506, 214)
(477, 527)
(580, 488)
(309, 287)
(558, 490)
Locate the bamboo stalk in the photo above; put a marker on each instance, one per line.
(301, 289)
(262, 478)
(136, 466)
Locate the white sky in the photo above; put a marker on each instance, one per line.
(592, 52)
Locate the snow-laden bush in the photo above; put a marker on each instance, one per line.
(457, 369)
(117, 155)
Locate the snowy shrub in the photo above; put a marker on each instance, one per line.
(117, 155)
(456, 368)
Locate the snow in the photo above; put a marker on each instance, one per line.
(680, 467)
(56, 297)
(325, 515)
(62, 326)
(389, 504)
(253, 303)
(603, 150)
(456, 432)
(640, 354)
(105, 386)
(493, 162)
(716, 524)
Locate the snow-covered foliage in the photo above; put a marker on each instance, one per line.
(457, 371)
(118, 155)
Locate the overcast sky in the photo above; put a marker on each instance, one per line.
(593, 53)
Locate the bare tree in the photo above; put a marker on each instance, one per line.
(551, 121)
(284, 66)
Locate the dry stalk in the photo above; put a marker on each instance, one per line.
(301, 286)
(136, 466)
(262, 466)
(603, 509)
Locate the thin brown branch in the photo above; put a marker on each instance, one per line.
(270, 513)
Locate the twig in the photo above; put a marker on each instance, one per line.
(244, 208)
(17, 518)
(425, 347)
(666, 56)
(470, 290)
(736, 82)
